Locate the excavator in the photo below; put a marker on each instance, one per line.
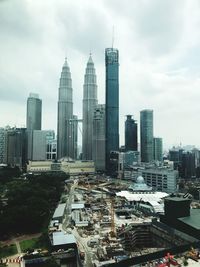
(193, 254)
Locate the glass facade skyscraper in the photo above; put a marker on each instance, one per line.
(34, 112)
(33, 120)
(89, 105)
(146, 135)
(112, 102)
(130, 134)
(65, 144)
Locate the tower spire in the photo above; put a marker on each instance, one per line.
(113, 36)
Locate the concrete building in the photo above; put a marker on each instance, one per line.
(89, 105)
(99, 138)
(161, 179)
(112, 102)
(130, 134)
(180, 216)
(65, 144)
(157, 149)
(69, 167)
(40, 141)
(146, 135)
(2, 145)
(15, 147)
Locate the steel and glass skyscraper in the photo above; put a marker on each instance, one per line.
(112, 102)
(130, 134)
(89, 105)
(146, 135)
(65, 144)
(33, 120)
(34, 112)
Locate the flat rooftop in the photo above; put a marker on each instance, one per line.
(59, 210)
(192, 220)
(77, 206)
(177, 199)
(59, 238)
(146, 197)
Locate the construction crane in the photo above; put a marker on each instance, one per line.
(112, 212)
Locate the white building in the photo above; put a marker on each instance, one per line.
(161, 179)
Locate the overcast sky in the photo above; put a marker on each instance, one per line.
(159, 50)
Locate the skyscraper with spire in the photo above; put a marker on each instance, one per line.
(65, 142)
(89, 104)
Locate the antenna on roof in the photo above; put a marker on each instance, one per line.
(113, 35)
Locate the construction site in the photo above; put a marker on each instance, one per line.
(111, 229)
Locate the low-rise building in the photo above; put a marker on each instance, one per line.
(161, 179)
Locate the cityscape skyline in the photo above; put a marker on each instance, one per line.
(164, 67)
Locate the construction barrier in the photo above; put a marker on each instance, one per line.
(16, 260)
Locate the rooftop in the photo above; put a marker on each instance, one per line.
(59, 210)
(192, 220)
(59, 238)
(144, 196)
(77, 206)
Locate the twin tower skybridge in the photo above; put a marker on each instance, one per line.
(75, 120)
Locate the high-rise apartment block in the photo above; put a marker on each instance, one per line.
(65, 144)
(157, 149)
(112, 102)
(130, 134)
(89, 104)
(146, 135)
(99, 138)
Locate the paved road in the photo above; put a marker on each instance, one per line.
(18, 247)
(84, 247)
(80, 241)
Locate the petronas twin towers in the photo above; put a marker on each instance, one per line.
(67, 122)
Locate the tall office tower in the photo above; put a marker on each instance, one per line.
(34, 112)
(65, 114)
(98, 153)
(33, 119)
(15, 147)
(157, 149)
(146, 135)
(130, 134)
(112, 102)
(89, 104)
(2, 145)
